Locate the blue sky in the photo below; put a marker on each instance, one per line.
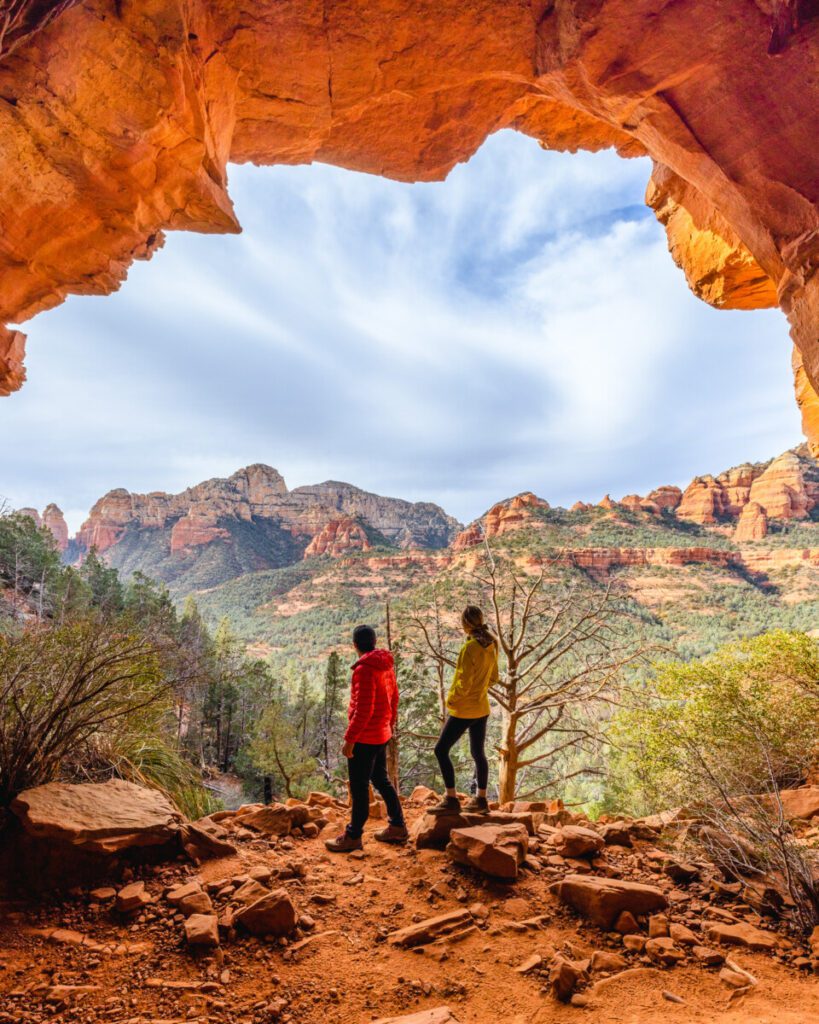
(520, 326)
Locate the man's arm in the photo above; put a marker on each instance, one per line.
(362, 702)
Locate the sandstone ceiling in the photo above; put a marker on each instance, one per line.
(118, 120)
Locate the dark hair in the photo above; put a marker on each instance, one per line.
(364, 639)
(472, 618)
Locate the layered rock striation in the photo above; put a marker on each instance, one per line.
(94, 171)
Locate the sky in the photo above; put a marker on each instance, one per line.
(519, 326)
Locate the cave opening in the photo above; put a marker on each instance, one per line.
(517, 326)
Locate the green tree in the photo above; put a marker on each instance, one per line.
(107, 592)
(331, 731)
(277, 749)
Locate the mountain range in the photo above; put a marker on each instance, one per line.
(292, 567)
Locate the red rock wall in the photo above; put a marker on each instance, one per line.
(94, 169)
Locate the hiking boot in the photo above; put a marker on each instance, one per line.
(447, 805)
(392, 834)
(343, 844)
(477, 805)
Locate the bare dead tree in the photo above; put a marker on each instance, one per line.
(22, 19)
(566, 647)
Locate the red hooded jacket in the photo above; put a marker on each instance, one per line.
(373, 709)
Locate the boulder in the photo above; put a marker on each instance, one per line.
(603, 900)
(431, 831)
(423, 795)
(740, 934)
(616, 833)
(98, 817)
(202, 930)
(277, 819)
(249, 891)
(319, 799)
(273, 914)
(496, 850)
(576, 841)
(205, 839)
(680, 871)
(800, 803)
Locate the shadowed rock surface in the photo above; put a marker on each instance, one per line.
(93, 171)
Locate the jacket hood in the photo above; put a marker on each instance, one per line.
(377, 659)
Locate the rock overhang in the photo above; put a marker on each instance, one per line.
(93, 171)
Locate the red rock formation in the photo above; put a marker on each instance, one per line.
(89, 184)
(513, 514)
(54, 520)
(581, 506)
(603, 560)
(607, 503)
(701, 501)
(667, 498)
(752, 524)
(468, 538)
(197, 528)
(780, 489)
(339, 537)
(633, 502)
(32, 513)
(259, 492)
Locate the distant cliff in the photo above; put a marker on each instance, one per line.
(222, 528)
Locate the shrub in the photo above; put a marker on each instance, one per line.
(749, 697)
(724, 736)
(62, 690)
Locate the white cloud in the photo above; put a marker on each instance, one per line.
(520, 326)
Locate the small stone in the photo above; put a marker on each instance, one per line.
(202, 930)
(133, 897)
(682, 935)
(663, 951)
(626, 923)
(732, 979)
(709, 957)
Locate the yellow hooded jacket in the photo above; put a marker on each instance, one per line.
(475, 671)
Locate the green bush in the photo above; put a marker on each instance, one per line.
(743, 718)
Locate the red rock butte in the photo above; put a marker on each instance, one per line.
(118, 121)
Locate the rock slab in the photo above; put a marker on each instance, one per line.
(100, 817)
(603, 900)
(495, 850)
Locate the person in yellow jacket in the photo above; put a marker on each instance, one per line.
(468, 706)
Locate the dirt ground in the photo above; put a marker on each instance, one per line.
(348, 973)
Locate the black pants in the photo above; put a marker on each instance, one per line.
(452, 731)
(369, 764)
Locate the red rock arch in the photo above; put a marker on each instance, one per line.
(117, 122)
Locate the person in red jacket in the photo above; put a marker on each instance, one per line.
(373, 713)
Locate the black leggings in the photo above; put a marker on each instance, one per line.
(369, 764)
(452, 731)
